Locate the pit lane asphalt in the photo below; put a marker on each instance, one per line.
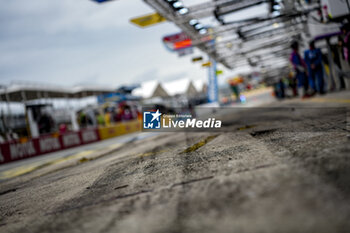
(264, 176)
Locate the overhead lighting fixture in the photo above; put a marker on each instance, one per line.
(177, 4)
(277, 7)
(276, 13)
(203, 31)
(193, 22)
(183, 11)
(198, 26)
(276, 25)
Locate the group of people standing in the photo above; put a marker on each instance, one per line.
(309, 71)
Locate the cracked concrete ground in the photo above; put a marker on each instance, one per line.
(264, 174)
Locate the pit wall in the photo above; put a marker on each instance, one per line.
(27, 148)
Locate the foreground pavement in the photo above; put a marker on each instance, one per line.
(260, 174)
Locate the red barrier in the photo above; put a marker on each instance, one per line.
(12, 151)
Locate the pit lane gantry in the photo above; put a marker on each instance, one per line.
(234, 40)
(260, 40)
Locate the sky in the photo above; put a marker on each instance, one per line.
(80, 42)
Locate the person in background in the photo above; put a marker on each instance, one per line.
(100, 118)
(234, 84)
(300, 68)
(338, 63)
(62, 128)
(107, 117)
(280, 89)
(127, 114)
(346, 41)
(292, 83)
(117, 114)
(45, 123)
(313, 59)
(82, 119)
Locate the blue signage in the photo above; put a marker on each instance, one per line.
(151, 120)
(111, 97)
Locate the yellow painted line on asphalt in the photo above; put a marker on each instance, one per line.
(326, 100)
(18, 171)
(246, 127)
(80, 157)
(34, 166)
(199, 144)
(115, 146)
(257, 91)
(77, 156)
(152, 153)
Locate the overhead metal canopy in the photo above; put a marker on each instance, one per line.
(245, 41)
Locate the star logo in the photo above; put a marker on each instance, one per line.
(151, 120)
(156, 115)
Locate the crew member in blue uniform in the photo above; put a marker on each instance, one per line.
(300, 68)
(313, 60)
